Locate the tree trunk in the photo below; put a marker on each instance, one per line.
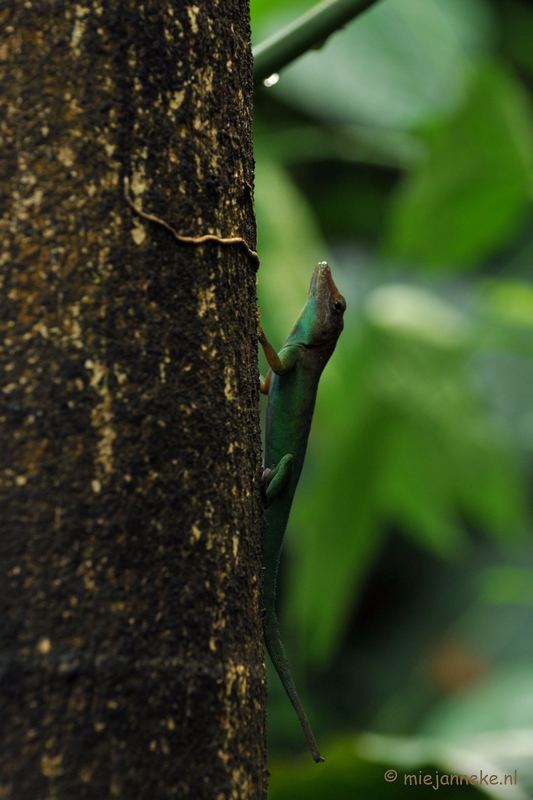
(131, 660)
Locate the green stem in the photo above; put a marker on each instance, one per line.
(308, 31)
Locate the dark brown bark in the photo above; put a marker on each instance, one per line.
(131, 660)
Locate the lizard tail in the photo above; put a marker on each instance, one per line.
(279, 659)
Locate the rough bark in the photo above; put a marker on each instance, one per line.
(131, 646)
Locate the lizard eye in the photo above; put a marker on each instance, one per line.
(337, 305)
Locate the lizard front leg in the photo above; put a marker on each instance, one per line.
(275, 479)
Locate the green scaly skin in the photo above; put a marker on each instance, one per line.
(292, 385)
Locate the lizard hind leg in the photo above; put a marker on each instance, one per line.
(275, 479)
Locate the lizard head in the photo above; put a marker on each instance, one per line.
(324, 309)
(320, 322)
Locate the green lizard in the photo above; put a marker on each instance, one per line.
(291, 385)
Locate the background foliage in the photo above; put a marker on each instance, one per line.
(402, 153)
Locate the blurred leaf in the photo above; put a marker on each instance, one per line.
(416, 313)
(409, 430)
(488, 479)
(399, 437)
(511, 301)
(289, 244)
(517, 24)
(346, 197)
(354, 143)
(487, 727)
(396, 64)
(506, 365)
(504, 370)
(429, 513)
(507, 585)
(472, 192)
(346, 775)
(342, 776)
(504, 701)
(269, 16)
(334, 535)
(472, 22)
(474, 758)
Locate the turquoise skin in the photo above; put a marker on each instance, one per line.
(292, 385)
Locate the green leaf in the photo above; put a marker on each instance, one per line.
(270, 15)
(471, 193)
(400, 437)
(488, 479)
(348, 775)
(398, 63)
(343, 776)
(333, 535)
(413, 457)
(500, 703)
(289, 244)
(505, 585)
(465, 764)
(511, 301)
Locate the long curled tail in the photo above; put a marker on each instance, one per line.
(279, 660)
